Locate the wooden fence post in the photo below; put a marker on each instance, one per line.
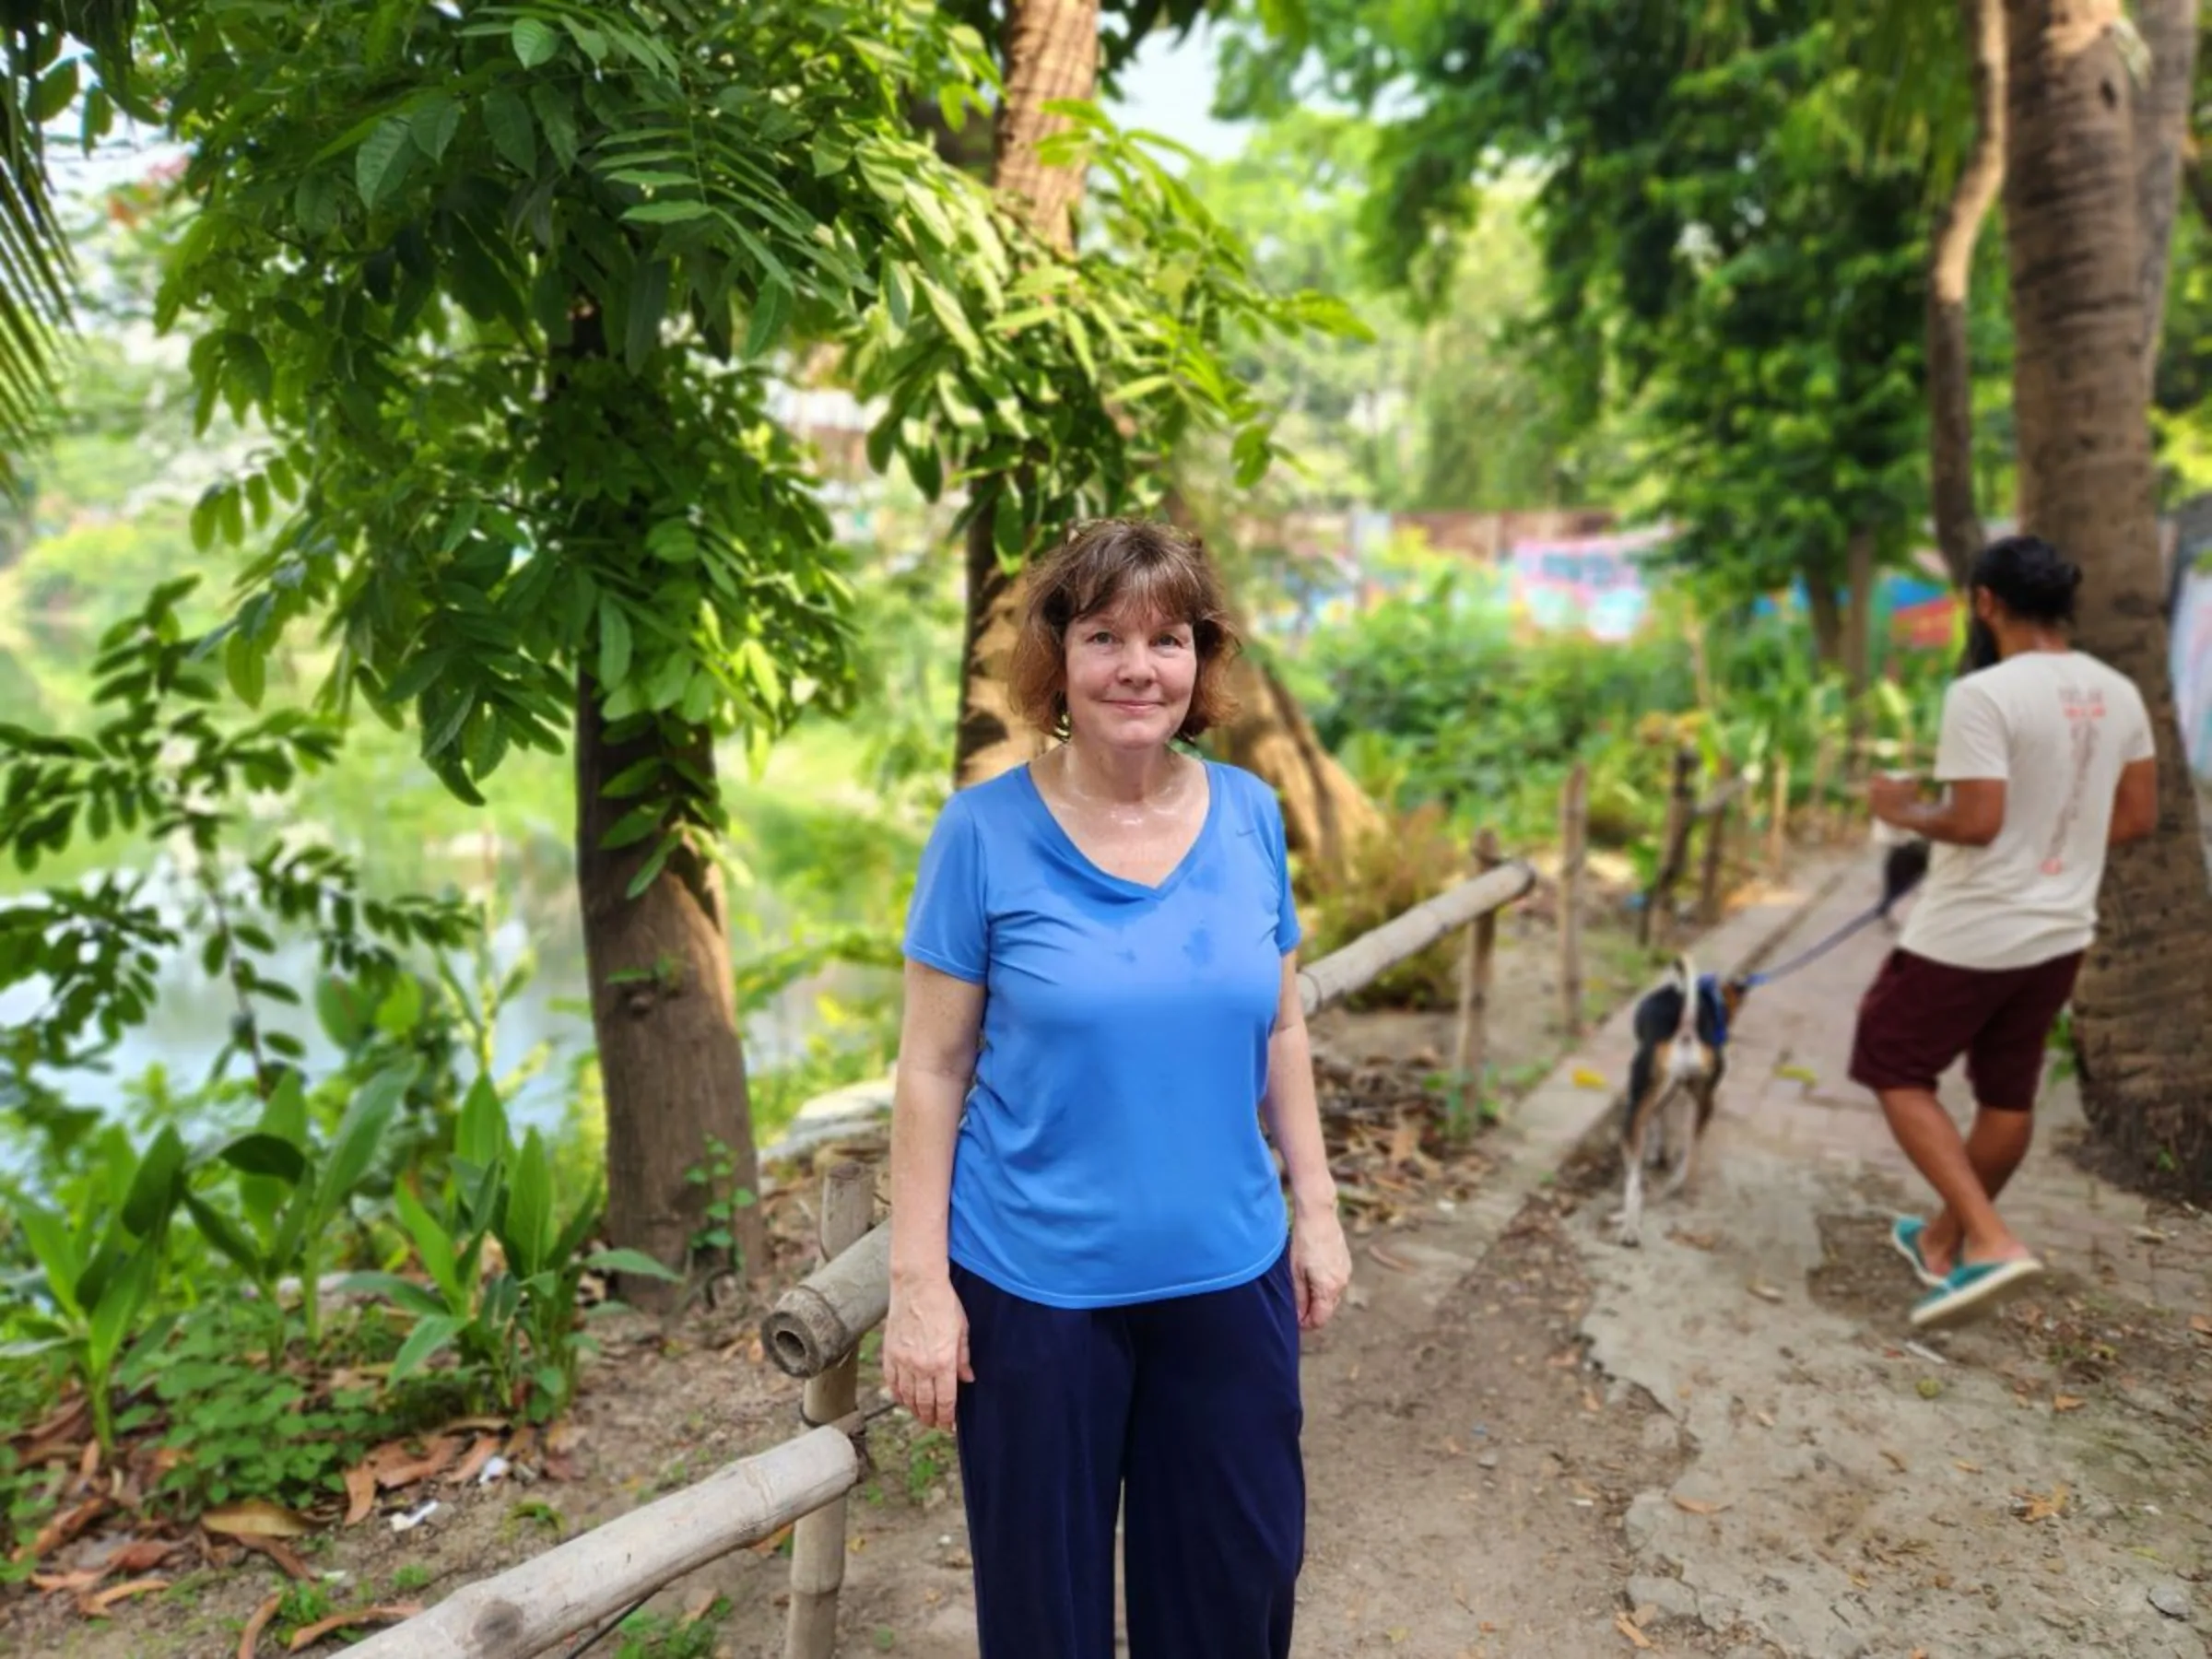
(1778, 821)
(817, 1541)
(1470, 1050)
(1824, 767)
(1575, 843)
(1681, 803)
(1716, 857)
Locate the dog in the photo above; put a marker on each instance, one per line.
(1682, 1026)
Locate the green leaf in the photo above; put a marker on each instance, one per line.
(667, 211)
(382, 161)
(651, 869)
(648, 306)
(631, 1262)
(433, 125)
(534, 43)
(480, 1137)
(556, 119)
(156, 1186)
(526, 1232)
(506, 118)
(769, 312)
(353, 1144)
(614, 643)
(634, 826)
(118, 1310)
(57, 92)
(225, 1235)
(245, 667)
(261, 1153)
(431, 1332)
(56, 1250)
(431, 1244)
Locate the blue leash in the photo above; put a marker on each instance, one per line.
(1807, 958)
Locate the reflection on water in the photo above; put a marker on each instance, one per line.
(191, 1017)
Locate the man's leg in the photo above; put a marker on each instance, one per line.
(1995, 1146)
(2005, 1063)
(1928, 1136)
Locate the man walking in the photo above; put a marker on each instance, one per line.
(2044, 762)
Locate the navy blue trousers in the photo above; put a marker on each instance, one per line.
(1184, 1415)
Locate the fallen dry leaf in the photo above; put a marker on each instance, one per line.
(249, 1637)
(1384, 1258)
(277, 1550)
(469, 1468)
(1627, 1627)
(1896, 1461)
(1964, 1467)
(1404, 1141)
(360, 1493)
(1764, 1292)
(1697, 1506)
(96, 1606)
(2069, 1403)
(397, 1466)
(257, 1517)
(2035, 1507)
(63, 1527)
(1696, 1241)
(57, 1583)
(388, 1613)
(141, 1555)
(2200, 1325)
(1583, 1076)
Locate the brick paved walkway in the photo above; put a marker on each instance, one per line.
(1788, 1092)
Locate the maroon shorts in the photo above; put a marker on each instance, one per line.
(1919, 1016)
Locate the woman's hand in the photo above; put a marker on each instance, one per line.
(1321, 1266)
(926, 1349)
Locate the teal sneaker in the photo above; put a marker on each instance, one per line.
(1973, 1289)
(1904, 1238)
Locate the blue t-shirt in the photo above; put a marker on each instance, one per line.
(1111, 1151)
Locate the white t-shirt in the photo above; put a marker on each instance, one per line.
(2056, 727)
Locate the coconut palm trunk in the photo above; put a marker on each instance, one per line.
(2078, 299)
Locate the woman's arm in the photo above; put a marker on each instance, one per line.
(1320, 1263)
(925, 1334)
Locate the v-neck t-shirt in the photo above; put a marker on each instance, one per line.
(1111, 1149)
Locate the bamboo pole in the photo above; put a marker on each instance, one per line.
(823, 1317)
(1824, 767)
(1574, 855)
(818, 1545)
(1716, 853)
(577, 1586)
(1341, 973)
(1470, 1049)
(1778, 821)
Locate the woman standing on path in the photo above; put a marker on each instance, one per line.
(2045, 761)
(1089, 1270)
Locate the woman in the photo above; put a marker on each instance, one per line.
(1089, 1273)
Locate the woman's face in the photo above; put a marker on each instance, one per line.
(1130, 675)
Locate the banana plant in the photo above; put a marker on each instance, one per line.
(100, 1265)
(511, 1311)
(291, 1192)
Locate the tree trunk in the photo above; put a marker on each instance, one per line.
(2160, 137)
(1051, 51)
(1958, 531)
(1827, 618)
(663, 1010)
(1858, 615)
(2145, 1047)
(1325, 815)
(992, 738)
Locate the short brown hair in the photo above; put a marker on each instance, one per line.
(1099, 564)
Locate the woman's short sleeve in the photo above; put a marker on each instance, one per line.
(947, 927)
(1287, 929)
